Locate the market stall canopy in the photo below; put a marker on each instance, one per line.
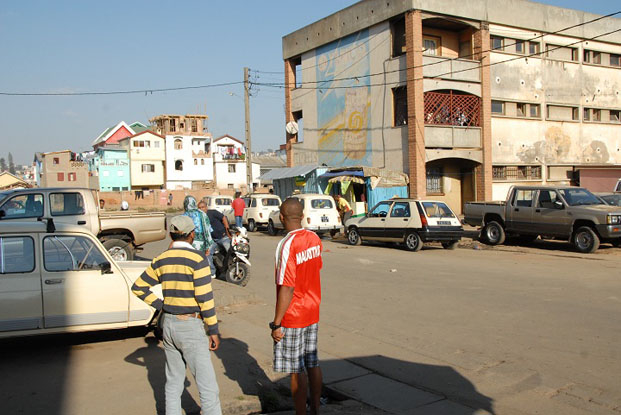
(378, 177)
(287, 172)
(354, 179)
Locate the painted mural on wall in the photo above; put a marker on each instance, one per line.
(343, 107)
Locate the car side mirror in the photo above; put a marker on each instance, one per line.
(2, 214)
(106, 268)
(558, 205)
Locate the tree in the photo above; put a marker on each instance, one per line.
(2, 164)
(11, 164)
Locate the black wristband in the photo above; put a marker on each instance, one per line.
(274, 326)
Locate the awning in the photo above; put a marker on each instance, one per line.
(355, 179)
(327, 175)
(287, 172)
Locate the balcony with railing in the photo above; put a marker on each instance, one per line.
(452, 120)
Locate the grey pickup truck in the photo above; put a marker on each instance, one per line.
(570, 213)
(122, 232)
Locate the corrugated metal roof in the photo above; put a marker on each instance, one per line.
(287, 172)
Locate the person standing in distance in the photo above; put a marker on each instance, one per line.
(298, 296)
(238, 206)
(188, 305)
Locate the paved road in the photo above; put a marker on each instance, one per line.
(510, 330)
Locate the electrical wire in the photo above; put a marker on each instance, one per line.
(127, 92)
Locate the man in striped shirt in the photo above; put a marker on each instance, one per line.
(187, 306)
(298, 296)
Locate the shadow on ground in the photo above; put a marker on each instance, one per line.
(153, 359)
(398, 386)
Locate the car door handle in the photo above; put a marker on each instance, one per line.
(54, 281)
(537, 210)
(405, 219)
(81, 222)
(516, 209)
(383, 220)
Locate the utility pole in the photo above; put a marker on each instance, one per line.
(248, 145)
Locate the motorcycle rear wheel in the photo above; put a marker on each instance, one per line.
(238, 274)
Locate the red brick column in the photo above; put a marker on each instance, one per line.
(481, 44)
(415, 97)
(289, 86)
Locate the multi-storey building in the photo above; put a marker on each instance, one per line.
(467, 98)
(111, 165)
(147, 156)
(188, 163)
(229, 163)
(65, 169)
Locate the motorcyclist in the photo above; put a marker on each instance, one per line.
(219, 230)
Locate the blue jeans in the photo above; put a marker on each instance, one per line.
(185, 342)
(238, 221)
(223, 243)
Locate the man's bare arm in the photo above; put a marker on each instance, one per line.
(283, 299)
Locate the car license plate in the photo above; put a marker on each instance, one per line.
(444, 222)
(324, 219)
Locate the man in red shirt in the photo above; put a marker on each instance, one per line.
(238, 206)
(298, 296)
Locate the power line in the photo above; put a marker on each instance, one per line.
(480, 66)
(471, 55)
(127, 92)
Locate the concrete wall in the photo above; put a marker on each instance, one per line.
(516, 13)
(225, 179)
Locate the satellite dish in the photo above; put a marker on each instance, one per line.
(292, 128)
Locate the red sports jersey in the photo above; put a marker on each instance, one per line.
(298, 265)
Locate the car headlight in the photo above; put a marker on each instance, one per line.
(613, 219)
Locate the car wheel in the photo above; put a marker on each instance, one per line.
(252, 226)
(353, 237)
(493, 233)
(271, 229)
(413, 242)
(586, 240)
(119, 249)
(450, 245)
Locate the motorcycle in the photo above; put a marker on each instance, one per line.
(233, 265)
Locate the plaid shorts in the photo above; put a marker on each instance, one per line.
(297, 351)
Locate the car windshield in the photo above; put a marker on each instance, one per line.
(579, 197)
(270, 202)
(321, 204)
(223, 202)
(437, 210)
(614, 200)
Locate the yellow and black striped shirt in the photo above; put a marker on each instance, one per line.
(186, 284)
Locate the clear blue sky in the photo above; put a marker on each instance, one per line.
(53, 46)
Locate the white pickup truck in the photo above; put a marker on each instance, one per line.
(121, 232)
(59, 278)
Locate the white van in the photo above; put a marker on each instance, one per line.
(218, 202)
(259, 206)
(64, 280)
